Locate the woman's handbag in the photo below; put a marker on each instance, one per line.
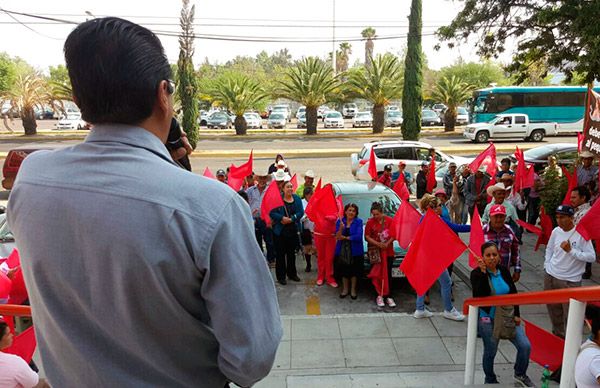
(374, 254)
(504, 320)
(345, 257)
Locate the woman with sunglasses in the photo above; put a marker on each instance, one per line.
(350, 230)
(430, 202)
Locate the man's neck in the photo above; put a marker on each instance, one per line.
(569, 228)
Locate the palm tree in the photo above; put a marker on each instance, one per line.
(343, 56)
(239, 94)
(368, 33)
(310, 82)
(29, 92)
(378, 84)
(452, 92)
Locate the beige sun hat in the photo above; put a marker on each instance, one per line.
(498, 186)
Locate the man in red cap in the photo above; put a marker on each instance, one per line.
(505, 239)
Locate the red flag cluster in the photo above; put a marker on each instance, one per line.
(271, 200)
(14, 289)
(237, 174)
(572, 179)
(23, 345)
(406, 222)
(323, 203)
(487, 158)
(589, 225)
(543, 232)
(524, 177)
(400, 188)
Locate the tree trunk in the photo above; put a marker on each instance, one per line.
(449, 120)
(412, 94)
(311, 120)
(378, 118)
(29, 123)
(240, 125)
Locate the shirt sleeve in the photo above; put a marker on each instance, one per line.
(549, 249)
(594, 367)
(241, 300)
(25, 376)
(356, 230)
(584, 251)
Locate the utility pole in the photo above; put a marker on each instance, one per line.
(333, 51)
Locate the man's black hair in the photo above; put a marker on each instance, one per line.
(583, 191)
(115, 67)
(505, 161)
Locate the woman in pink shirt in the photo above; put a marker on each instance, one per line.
(14, 371)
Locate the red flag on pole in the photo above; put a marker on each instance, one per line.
(373, 164)
(340, 205)
(572, 179)
(323, 203)
(532, 228)
(589, 225)
(486, 158)
(208, 174)
(406, 222)
(271, 200)
(425, 261)
(18, 292)
(521, 171)
(237, 174)
(400, 188)
(547, 226)
(546, 348)
(579, 141)
(476, 239)
(23, 345)
(529, 179)
(294, 182)
(317, 187)
(431, 182)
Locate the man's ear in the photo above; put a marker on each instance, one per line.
(163, 97)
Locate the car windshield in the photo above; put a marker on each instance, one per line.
(73, 117)
(250, 116)
(462, 111)
(276, 116)
(5, 233)
(334, 115)
(363, 115)
(301, 110)
(279, 108)
(429, 113)
(219, 116)
(394, 113)
(389, 201)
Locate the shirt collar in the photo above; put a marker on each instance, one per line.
(131, 135)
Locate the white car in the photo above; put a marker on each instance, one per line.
(321, 111)
(71, 121)
(392, 108)
(393, 118)
(506, 126)
(253, 120)
(334, 119)
(301, 112)
(413, 153)
(462, 116)
(276, 120)
(349, 110)
(362, 119)
(284, 110)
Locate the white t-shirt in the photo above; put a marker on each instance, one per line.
(587, 366)
(306, 223)
(15, 373)
(568, 266)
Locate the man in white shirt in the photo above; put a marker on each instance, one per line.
(580, 200)
(14, 371)
(587, 366)
(566, 255)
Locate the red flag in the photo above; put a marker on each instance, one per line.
(431, 182)
(271, 200)
(400, 188)
(237, 174)
(425, 261)
(373, 164)
(18, 292)
(521, 172)
(23, 345)
(294, 182)
(5, 286)
(529, 227)
(546, 348)
(529, 178)
(488, 159)
(14, 259)
(317, 187)
(491, 183)
(322, 204)
(406, 223)
(572, 179)
(207, 173)
(476, 239)
(580, 137)
(547, 226)
(340, 205)
(589, 225)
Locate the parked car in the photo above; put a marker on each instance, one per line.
(301, 122)
(430, 117)
(283, 109)
(301, 111)
(362, 119)
(565, 154)
(7, 240)
(507, 126)
(462, 116)
(363, 194)
(15, 157)
(253, 120)
(393, 118)
(413, 153)
(44, 114)
(321, 111)
(349, 110)
(392, 108)
(276, 120)
(203, 118)
(439, 108)
(219, 120)
(71, 121)
(334, 119)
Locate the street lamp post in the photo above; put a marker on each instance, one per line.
(333, 51)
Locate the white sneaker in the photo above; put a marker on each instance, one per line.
(422, 314)
(390, 302)
(454, 315)
(379, 301)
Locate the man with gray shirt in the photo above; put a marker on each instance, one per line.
(139, 273)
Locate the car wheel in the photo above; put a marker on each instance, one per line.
(482, 137)
(537, 135)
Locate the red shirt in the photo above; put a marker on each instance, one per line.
(377, 232)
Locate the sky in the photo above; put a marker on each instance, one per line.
(41, 44)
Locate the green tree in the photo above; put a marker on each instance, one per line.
(239, 94)
(452, 92)
(378, 84)
(28, 93)
(563, 33)
(553, 191)
(310, 82)
(412, 95)
(343, 57)
(187, 86)
(8, 73)
(369, 34)
(477, 74)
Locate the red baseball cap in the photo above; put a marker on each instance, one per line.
(497, 210)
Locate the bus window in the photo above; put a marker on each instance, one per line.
(480, 105)
(503, 102)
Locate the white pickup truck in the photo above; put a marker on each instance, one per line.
(506, 126)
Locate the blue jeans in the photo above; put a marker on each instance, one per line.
(263, 233)
(490, 348)
(445, 289)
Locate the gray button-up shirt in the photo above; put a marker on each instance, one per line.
(140, 273)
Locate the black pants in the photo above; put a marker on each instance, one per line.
(533, 210)
(285, 248)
